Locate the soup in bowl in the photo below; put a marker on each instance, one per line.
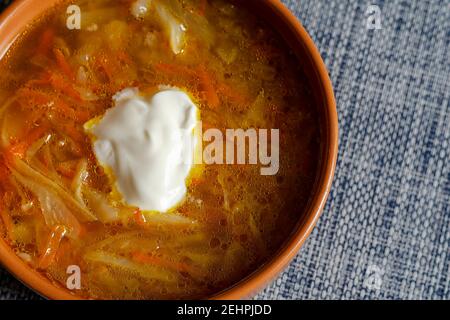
(175, 149)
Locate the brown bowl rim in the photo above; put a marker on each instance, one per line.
(267, 272)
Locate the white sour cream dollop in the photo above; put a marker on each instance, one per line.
(148, 143)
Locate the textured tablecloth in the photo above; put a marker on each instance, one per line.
(385, 231)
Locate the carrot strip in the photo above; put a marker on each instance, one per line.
(32, 136)
(208, 88)
(52, 246)
(46, 42)
(76, 115)
(31, 97)
(63, 64)
(42, 102)
(57, 82)
(65, 87)
(139, 218)
(66, 110)
(35, 101)
(206, 82)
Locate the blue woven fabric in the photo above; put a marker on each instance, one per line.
(385, 231)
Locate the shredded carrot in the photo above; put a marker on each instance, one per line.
(32, 136)
(58, 82)
(139, 218)
(51, 248)
(65, 110)
(111, 67)
(61, 106)
(207, 85)
(46, 42)
(42, 102)
(206, 80)
(144, 258)
(63, 64)
(55, 80)
(31, 97)
(34, 101)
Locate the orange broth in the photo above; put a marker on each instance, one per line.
(56, 206)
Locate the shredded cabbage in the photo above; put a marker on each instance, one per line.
(36, 177)
(100, 205)
(124, 264)
(173, 27)
(53, 209)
